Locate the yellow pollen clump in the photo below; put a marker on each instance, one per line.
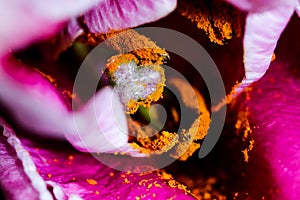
(243, 127)
(115, 61)
(228, 99)
(273, 57)
(179, 145)
(91, 181)
(71, 157)
(187, 143)
(172, 182)
(218, 19)
(134, 47)
(126, 181)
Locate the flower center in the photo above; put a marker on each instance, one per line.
(134, 82)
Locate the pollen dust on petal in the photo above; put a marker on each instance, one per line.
(243, 127)
(91, 181)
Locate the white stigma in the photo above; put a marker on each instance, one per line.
(135, 82)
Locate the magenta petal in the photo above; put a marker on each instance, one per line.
(12, 176)
(31, 99)
(274, 110)
(25, 172)
(115, 15)
(69, 173)
(35, 104)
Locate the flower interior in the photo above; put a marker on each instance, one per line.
(137, 85)
(242, 164)
(134, 82)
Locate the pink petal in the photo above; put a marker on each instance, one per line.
(68, 172)
(274, 164)
(31, 99)
(261, 5)
(298, 8)
(100, 126)
(115, 15)
(11, 176)
(36, 105)
(263, 29)
(273, 170)
(242, 4)
(23, 22)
